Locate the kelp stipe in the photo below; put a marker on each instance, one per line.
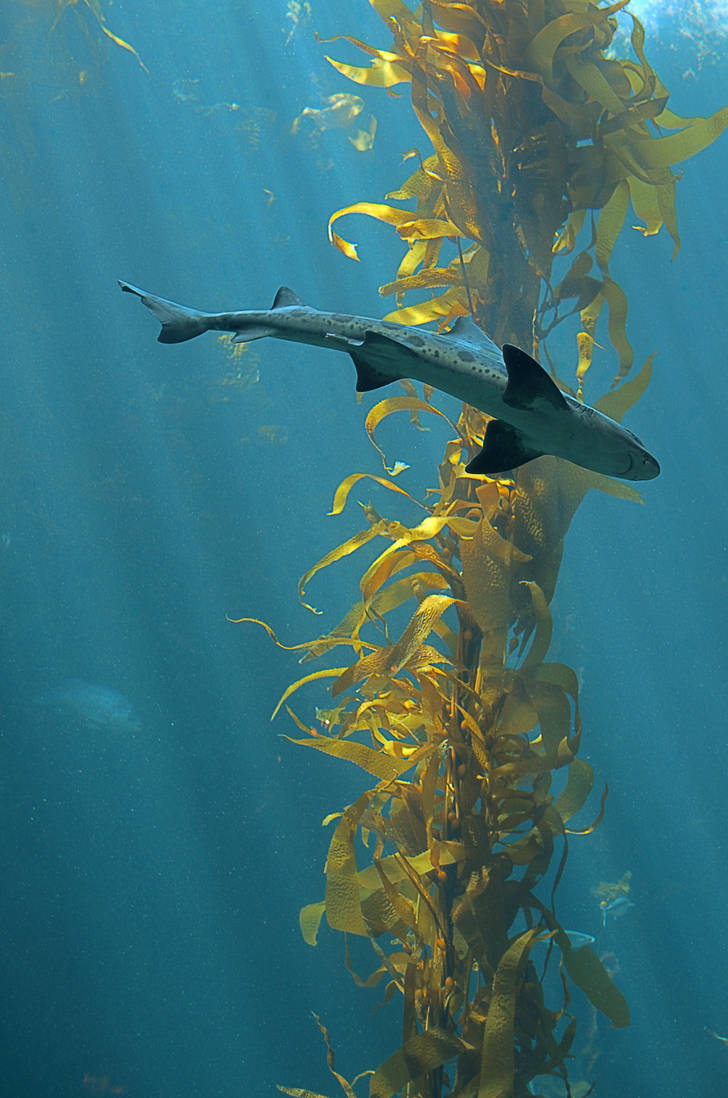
(540, 142)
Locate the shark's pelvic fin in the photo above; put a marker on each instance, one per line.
(255, 331)
(368, 377)
(178, 322)
(285, 298)
(503, 449)
(528, 383)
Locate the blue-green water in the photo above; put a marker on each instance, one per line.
(154, 858)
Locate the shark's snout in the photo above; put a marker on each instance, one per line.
(642, 466)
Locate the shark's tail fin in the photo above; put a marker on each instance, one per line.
(178, 322)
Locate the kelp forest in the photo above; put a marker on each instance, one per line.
(542, 143)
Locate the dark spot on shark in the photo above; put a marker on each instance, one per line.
(415, 340)
(466, 356)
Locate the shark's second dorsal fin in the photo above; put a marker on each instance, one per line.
(285, 298)
(528, 383)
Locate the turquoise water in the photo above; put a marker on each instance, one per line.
(154, 864)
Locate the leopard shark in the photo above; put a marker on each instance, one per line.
(531, 415)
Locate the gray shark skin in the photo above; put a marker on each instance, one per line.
(531, 415)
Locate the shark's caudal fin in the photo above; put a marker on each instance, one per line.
(178, 322)
(503, 449)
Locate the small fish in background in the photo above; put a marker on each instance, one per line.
(616, 908)
(93, 705)
(578, 939)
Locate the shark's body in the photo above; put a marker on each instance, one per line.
(531, 415)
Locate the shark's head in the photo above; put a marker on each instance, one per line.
(607, 446)
(641, 465)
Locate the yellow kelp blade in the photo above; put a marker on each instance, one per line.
(442, 853)
(299, 1092)
(419, 1055)
(343, 907)
(124, 45)
(391, 405)
(497, 1055)
(382, 766)
(383, 72)
(343, 550)
(342, 492)
(326, 673)
(617, 403)
(588, 973)
(389, 214)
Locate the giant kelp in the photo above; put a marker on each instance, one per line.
(540, 140)
(537, 132)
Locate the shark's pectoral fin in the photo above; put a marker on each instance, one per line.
(529, 386)
(503, 449)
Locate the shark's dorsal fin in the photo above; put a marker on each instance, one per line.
(503, 449)
(528, 383)
(285, 298)
(467, 331)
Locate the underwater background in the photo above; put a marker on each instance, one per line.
(158, 834)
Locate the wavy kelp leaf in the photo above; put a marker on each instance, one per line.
(124, 45)
(309, 920)
(374, 762)
(617, 403)
(341, 551)
(444, 853)
(383, 72)
(326, 673)
(390, 215)
(541, 51)
(487, 560)
(497, 1068)
(656, 154)
(610, 224)
(588, 973)
(451, 304)
(343, 908)
(96, 10)
(419, 628)
(579, 784)
(544, 626)
(392, 405)
(342, 492)
(419, 1055)
(299, 1092)
(597, 820)
(409, 651)
(331, 1059)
